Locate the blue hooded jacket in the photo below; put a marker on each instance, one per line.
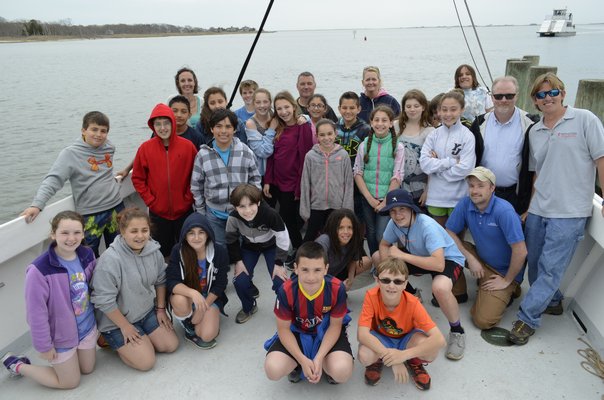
(217, 260)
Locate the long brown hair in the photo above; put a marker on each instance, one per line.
(355, 245)
(189, 259)
(188, 254)
(414, 94)
(475, 83)
(281, 125)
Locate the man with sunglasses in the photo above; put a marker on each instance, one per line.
(426, 248)
(502, 145)
(566, 147)
(497, 257)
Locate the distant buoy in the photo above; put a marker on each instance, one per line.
(365, 38)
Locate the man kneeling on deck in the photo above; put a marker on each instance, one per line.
(395, 330)
(497, 258)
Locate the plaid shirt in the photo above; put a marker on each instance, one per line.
(212, 181)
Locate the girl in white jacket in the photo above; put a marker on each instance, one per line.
(447, 157)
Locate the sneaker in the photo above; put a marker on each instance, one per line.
(373, 373)
(102, 343)
(418, 373)
(199, 342)
(456, 346)
(296, 375)
(554, 310)
(461, 298)
(11, 362)
(330, 380)
(255, 291)
(242, 316)
(188, 326)
(520, 333)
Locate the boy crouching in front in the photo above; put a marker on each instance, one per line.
(395, 330)
(311, 324)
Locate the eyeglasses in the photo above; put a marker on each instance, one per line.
(387, 281)
(317, 106)
(500, 96)
(550, 93)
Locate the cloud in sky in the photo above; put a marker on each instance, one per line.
(291, 14)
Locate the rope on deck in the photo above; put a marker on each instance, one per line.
(593, 362)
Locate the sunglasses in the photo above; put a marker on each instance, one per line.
(550, 93)
(508, 96)
(387, 281)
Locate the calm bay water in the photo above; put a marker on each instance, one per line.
(46, 87)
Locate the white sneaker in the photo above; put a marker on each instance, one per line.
(456, 346)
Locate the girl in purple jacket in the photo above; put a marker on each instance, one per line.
(59, 313)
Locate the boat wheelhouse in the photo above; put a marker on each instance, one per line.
(560, 23)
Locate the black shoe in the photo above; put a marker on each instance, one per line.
(295, 375)
(189, 327)
(554, 310)
(461, 298)
(255, 291)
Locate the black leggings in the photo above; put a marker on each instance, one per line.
(289, 210)
(316, 223)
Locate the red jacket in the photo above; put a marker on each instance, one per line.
(162, 176)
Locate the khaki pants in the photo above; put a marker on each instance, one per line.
(490, 305)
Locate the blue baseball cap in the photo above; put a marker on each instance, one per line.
(399, 198)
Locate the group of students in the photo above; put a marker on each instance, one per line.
(211, 192)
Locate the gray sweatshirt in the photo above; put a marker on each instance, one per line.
(126, 280)
(90, 172)
(326, 181)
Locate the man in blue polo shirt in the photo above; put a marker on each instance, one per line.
(497, 259)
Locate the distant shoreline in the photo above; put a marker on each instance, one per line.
(48, 38)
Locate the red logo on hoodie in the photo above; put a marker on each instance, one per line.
(94, 164)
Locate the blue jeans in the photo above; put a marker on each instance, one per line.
(218, 226)
(551, 244)
(147, 325)
(375, 226)
(392, 343)
(243, 281)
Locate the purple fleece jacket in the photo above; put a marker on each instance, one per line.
(50, 313)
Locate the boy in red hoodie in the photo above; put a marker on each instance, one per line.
(162, 177)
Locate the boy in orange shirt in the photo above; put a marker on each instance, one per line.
(395, 330)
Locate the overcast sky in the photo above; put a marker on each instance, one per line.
(296, 14)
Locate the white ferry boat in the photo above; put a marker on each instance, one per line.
(548, 367)
(560, 23)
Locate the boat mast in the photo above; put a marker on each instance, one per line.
(249, 55)
(468, 44)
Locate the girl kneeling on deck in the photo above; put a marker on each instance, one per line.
(63, 329)
(129, 294)
(196, 279)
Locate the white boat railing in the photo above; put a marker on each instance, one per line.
(21, 243)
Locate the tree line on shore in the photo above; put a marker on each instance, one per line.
(33, 27)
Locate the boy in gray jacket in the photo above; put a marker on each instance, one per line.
(88, 165)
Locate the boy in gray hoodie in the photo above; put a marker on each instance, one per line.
(88, 165)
